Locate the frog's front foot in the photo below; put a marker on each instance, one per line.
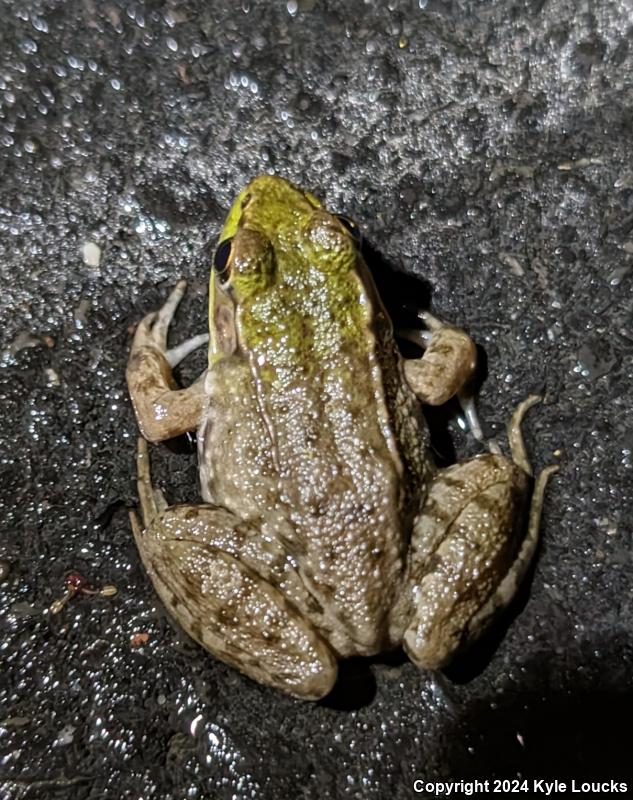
(163, 410)
(470, 550)
(153, 329)
(448, 363)
(446, 369)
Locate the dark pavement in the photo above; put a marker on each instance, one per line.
(486, 151)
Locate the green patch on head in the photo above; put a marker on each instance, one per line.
(293, 276)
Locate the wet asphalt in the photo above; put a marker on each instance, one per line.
(485, 151)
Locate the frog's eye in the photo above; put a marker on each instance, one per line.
(221, 259)
(351, 227)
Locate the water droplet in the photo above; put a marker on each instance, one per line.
(371, 46)
(39, 24)
(28, 46)
(75, 63)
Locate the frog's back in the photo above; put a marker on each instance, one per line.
(310, 421)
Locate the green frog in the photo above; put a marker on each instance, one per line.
(326, 529)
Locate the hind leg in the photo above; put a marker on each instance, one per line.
(469, 552)
(230, 593)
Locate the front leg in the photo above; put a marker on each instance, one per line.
(163, 410)
(469, 551)
(448, 363)
(446, 369)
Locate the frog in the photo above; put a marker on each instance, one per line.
(325, 529)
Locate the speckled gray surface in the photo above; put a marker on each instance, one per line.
(485, 148)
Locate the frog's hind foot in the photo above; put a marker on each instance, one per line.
(152, 500)
(507, 588)
(520, 458)
(515, 434)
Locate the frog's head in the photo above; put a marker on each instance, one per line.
(278, 245)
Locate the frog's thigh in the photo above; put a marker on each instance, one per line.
(465, 547)
(228, 607)
(448, 364)
(162, 409)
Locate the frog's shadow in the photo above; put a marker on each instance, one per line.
(404, 296)
(356, 686)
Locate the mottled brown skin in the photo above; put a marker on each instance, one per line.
(327, 530)
(162, 409)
